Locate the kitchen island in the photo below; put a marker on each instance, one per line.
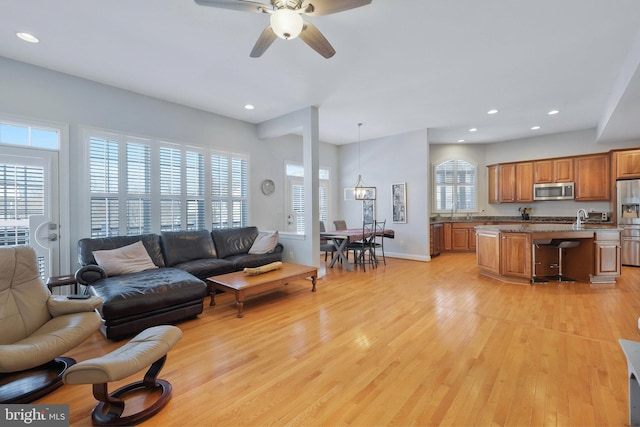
(506, 252)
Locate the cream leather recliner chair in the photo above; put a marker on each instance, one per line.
(36, 328)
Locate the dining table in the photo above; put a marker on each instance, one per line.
(341, 238)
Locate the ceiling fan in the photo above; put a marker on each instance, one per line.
(286, 20)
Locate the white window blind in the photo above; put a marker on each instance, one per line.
(170, 189)
(21, 195)
(103, 182)
(295, 174)
(195, 191)
(143, 186)
(229, 190)
(138, 188)
(455, 186)
(297, 203)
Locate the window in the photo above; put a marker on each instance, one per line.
(229, 194)
(141, 186)
(195, 191)
(138, 188)
(21, 195)
(455, 187)
(170, 189)
(29, 136)
(104, 172)
(295, 179)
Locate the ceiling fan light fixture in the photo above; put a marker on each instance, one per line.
(286, 23)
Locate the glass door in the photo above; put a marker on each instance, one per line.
(29, 204)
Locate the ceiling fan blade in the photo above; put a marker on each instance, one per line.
(326, 7)
(264, 41)
(241, 5)
(314, 38)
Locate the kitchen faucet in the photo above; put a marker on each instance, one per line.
(578, 219)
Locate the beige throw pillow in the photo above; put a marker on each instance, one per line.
(265, 243)
(127, 259)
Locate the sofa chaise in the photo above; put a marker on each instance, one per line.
(170, 286)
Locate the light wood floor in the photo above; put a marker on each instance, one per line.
(409, 343)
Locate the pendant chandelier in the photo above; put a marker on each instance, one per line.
(362, 192)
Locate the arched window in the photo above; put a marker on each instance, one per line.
(455, 187)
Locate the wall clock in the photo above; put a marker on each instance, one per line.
(268, 187)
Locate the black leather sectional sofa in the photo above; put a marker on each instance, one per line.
(175, 290)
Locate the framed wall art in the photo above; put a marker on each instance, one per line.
(368, 210)
(350, 193)
(399, 199)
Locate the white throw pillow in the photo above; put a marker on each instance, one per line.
(265, 243)
(127, 259)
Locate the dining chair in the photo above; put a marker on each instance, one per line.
(361, 247)
(340, 224)
(378, 239)
(325, 245)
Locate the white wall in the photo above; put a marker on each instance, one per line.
(33, 92)
(386, 161)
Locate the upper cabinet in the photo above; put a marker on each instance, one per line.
(513, 182)
(507, 183)
(524, 182)
(553, 170)
(592, 178)
(492, 178)
(627, 164)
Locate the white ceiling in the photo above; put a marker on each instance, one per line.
(400, 65)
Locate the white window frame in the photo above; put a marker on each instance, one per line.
(61, 262)
(292, 180)
(455, 208)
(155, 196)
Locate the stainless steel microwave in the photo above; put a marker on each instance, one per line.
(556, 191)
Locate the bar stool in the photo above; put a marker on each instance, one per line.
(536, 244)
(560, 245)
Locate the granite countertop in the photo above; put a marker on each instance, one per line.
(545, 228)
(516, 219)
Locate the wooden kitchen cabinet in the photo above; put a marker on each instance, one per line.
(488, 253)
(524, 182)
(447, 236)
(627, 164)
(592, 177)
(507, 183)
(437, 239)
(492, 183)
(553, 170)
(515, 255)
(515, 182)
(563, 170)
(463, 236)
(607, 263)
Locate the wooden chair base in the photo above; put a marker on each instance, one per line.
(31, 384)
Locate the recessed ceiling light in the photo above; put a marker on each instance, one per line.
(552, 112)
(249, 107)
(28, 37)
(535, 127)
(494, 111)
(461, 140)
(473, 129)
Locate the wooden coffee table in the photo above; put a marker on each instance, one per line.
(244, 285)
